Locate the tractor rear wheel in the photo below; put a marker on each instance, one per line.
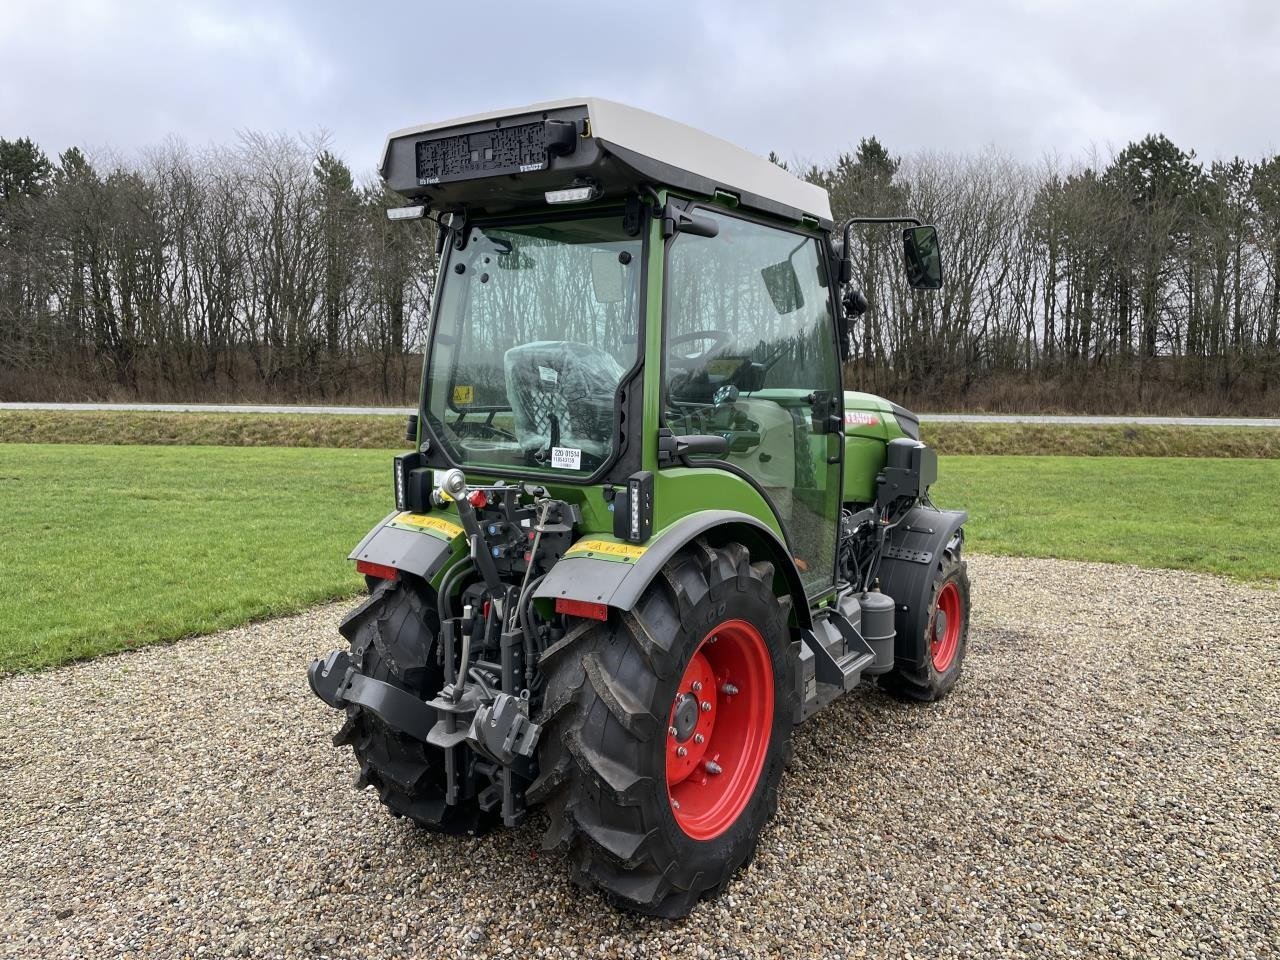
(947, 638)
(392, 636)
(666, 732)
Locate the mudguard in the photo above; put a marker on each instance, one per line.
(600, 569)
(911, 563)
(417, 543)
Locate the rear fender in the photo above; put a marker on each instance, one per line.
(416, 543)
(910, 565)
(617, 574)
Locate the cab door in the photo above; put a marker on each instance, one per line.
(749, 353)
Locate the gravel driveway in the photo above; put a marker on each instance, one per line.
(1102, 783)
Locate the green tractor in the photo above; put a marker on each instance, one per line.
(644, 531)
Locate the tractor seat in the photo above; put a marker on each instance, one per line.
(571, 384)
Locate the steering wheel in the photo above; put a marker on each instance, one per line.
(480, 430)
(718, 338)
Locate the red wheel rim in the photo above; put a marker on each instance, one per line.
(718, 729)
(945, 638)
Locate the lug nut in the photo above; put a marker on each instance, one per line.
(699, 738)
(697, 686)
(672, 731)
(681, 752)
(729, 690)
(712, 767)
(706, 706)
(675, 804)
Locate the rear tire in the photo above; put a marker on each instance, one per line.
(946, 639)
(610, 776)
(392, 636)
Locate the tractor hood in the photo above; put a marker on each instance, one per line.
(510, 159)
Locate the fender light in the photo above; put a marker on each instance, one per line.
(379, 570)
(582, 608)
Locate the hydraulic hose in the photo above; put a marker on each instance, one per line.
(450, 580)
(526, 628)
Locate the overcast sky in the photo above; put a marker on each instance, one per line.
(806, 79)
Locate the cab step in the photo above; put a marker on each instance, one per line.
(832, 655)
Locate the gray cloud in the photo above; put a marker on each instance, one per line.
(1027, 76)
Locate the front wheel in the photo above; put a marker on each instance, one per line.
(667, 730)
(946, 637)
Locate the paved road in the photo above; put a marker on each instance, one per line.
(1270, 422)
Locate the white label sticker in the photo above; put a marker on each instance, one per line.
(566, 458)
(548, 375)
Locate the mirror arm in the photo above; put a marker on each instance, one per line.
(848, 226)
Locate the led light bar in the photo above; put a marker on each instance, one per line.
(416, 212)
(569, 195)
(402, 500)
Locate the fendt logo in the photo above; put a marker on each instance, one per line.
(860, 418)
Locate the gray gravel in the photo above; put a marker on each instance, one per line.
(1102, 783)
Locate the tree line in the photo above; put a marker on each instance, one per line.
(1148, 281)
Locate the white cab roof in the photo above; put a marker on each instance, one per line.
(669, 142)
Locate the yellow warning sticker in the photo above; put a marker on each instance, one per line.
(630, 551)
(427, 522)
(463, 393)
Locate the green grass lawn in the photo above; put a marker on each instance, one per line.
(108, 547)
(1218, 516)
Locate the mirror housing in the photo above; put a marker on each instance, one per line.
(923, 254)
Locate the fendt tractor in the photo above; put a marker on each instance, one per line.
(643, 531)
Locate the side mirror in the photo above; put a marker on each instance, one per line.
(923, 254)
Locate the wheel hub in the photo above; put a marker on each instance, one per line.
(685, 717)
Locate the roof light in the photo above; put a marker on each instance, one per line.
(577, 192)
(407, 213)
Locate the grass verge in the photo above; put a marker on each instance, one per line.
(1041, 440)
(111, 547)
(381, 433)
(1216, 516)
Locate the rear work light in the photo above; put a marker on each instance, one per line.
(415, 212)
(582, 608)
(579, 191)
(379, 570)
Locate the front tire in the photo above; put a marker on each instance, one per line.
(946, 638)
(659, 789)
